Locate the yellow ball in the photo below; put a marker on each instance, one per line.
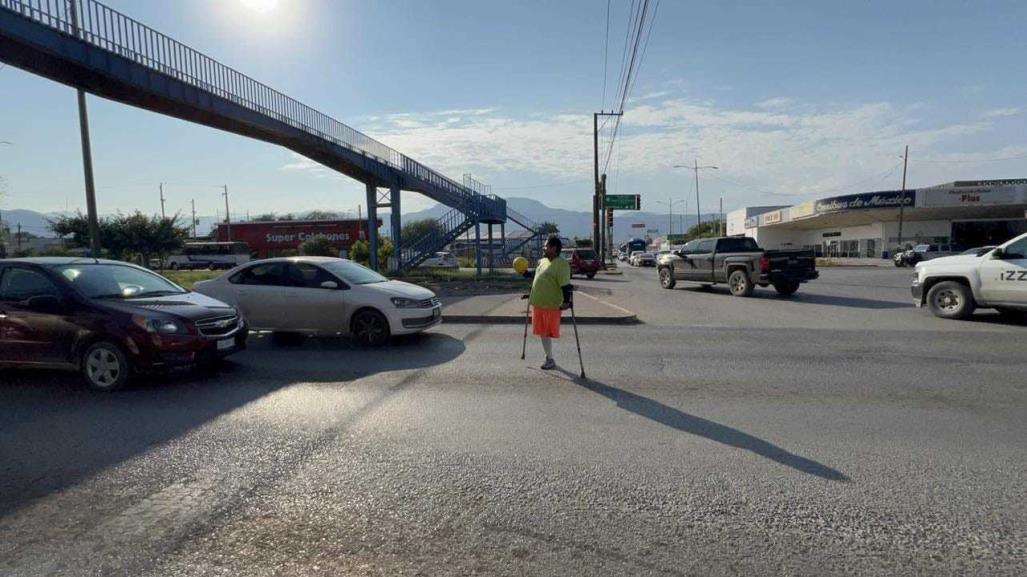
(520, 264)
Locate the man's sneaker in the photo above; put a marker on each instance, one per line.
(548, 365)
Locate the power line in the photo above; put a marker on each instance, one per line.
(606, 52)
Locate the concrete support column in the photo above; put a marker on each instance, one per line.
(502, 240)
(397, 225)
(372, 225)
(477, 246)
(492, 252)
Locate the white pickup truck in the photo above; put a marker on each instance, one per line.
(953, 286)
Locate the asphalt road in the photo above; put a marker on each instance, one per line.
(838, 432)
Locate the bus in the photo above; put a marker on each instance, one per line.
(209, 255)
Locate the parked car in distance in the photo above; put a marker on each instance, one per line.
(440, 260)
(632, 257)
(209, 255)
(952, 287)
(645, 259)
(739, 262)
(583, 261)
(108, 319)
(325, 296)
(922, 252)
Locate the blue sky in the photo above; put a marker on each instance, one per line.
(793, 101)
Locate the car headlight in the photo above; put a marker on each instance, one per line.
(402, 303)
(161, 326)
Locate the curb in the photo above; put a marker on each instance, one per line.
(518, 320)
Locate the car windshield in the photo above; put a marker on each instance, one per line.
(351, 272)
(103, 280)
(586, 254)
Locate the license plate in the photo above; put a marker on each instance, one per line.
(225, 344)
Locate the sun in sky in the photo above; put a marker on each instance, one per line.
(262, 6)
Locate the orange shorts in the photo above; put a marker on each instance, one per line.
(545, 322)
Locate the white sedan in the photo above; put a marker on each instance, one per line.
(324, 295)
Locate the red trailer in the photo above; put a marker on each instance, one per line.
(283, 237)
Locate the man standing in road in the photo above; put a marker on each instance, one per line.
(550, 296)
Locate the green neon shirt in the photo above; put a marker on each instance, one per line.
(550, 275)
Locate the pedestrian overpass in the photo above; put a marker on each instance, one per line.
(87, 45)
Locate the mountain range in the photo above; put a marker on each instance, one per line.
(571, 223)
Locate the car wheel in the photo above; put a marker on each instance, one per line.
(105, 367)
(899, 264)
(951, 300)
(590, 275)
(786, 289)
(370, 328)
(740, 284)
(173, 266)
(667, 278)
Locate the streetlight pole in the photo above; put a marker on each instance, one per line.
(902, 195)
(599, 196)
(695, 167)
(670, 215)
(163, 216)
(228, 216)
(87, 152)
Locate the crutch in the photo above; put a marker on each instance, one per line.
(527, 312)
(577, 342)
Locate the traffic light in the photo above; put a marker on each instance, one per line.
(609, 218)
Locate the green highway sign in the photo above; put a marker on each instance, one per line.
(623, 201)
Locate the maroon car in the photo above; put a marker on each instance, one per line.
(583, 261)
(108, 319)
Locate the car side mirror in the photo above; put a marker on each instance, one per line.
(998, 254)
(329, 284)
(43, 304)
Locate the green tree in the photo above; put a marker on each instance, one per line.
(265, 217)
(549, 228)
(582, 242)
(125, 236)
(318, 246)
(320, 215)
(704, 229)
(385, 250)
(414, 230)
(359, 251)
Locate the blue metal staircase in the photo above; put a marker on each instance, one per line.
(89, 46)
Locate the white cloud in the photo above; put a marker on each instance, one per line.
(792, 150)
(300, 163)
(1000, 112)
(775, 103)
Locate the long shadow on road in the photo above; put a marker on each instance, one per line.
(54, 433)
(682, 421)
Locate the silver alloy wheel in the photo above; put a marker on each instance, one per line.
(371, 328)
(103, 367)
(738, 283)
(948, 300)
(666, 278)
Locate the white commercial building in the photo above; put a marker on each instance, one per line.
(964, 214)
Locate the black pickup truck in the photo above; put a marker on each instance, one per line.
(739, 262)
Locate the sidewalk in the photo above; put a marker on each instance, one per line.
(510, 309)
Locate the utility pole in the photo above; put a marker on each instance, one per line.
(193, 202)
(228, 217)
(902, 197)
(696, 168)
(599, 198)
(87, 152)
(163, 216)
(19, 237)
(720, 228)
